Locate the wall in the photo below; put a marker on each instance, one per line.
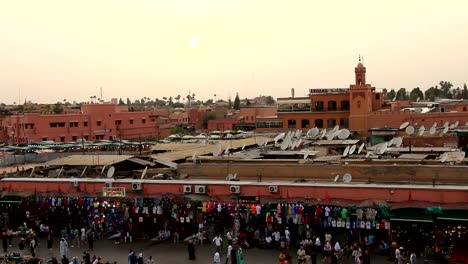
(249, 114)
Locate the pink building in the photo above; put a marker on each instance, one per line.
(95, 122)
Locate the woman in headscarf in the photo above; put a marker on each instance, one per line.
(63, 247)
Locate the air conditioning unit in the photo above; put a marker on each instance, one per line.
(200, 189)
(235, 189)
(273, 189)
(136, 186)
(75, 183)
(108, 184)
(187, 188)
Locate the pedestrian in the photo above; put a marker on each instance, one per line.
(218, 242)
(216, 258)
(301, 255)
(83, 235)
(95, 260)
(32, 247)
(228, 256)
(10, 236)
(131, 257)
(63, 247)
(413, 258)
(150, 260)
(65, 260)
(240, 256)
(191, 250)
(140, 259)
(50, 240)
(86, 258)
(287, 236)
(90, 240)
(75, 260)
(282, 256)
(229, 237)
(5, 241)
(366, 257)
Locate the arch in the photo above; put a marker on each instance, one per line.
(344, 105)
(319, 106)
(331, 105)
(305, 123)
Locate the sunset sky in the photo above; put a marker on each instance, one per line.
(55, 50)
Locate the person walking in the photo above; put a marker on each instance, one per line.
(140, 259)
(216, 258)
(32, 247)
(218, 242)
(5, 241)
(301, 253)
(191, 250)
(150, 260)
(413, 258)
(50, 241)
(63, 247)
(131, 257)
(90, 238)
(240, 256)
(65, 260)
(228, 255)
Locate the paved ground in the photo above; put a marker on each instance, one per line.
(163, 253)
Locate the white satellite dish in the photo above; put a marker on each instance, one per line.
(144, 173)
(216, 150)
(347, 178)
(226, 151)
(279, 137)
(352, 149)
(421, 130)
(324, 132)
(194, 156)
(382, 148)
(397, 141)
(417, 99)
(330, 135)
(409, 130)
(261, 142)
(103, 168)
(445, 130)
(361, 148)
(337, 177)
(110, 172)
(435, 124)
(466, 124)
(390, 142)
(444, 157)
(452, 126)
(298, 133)
(314, 132)
(346, 151)
(344, 134)
(461, 156)
(446, 124)
(336, 128)
(299, 142)
(243, 147)
(432, 130)
(456, 124)
(394, 99)
(404, 125)
(285, 143)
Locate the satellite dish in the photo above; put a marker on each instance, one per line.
(446, 124)
(398, 141)
(421, 130)
(336, 128)
(337, 177)
(216, 150)
(382, 148)
(445, 130)
(435, 124)
(324, 132)
(299, 142)
(347, 178)
(306, 155)
(330, 135)
(461, 156)
(285, 143)
(314, 132)
(344, 134)
(243, 147)
(394, 99)
(444, 157)
(360, 148)
(417, 99)
(261, 142)
(352, 149)
(110, 172)
(346, 151)
(452, 126)
(390, 142)
(404, 125)
(279, 137)
(456, 124)
(432, 130)
(298, 133)
(226, 151)
(466, 124)
(194, 156)
(144, 173)
(409, 130)
(103, 168)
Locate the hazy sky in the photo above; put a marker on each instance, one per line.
(51, 50)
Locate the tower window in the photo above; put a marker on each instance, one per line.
(319, 123)
(305, 123)
(291, 123)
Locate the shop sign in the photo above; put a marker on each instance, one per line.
(113, 192)
(248, 199)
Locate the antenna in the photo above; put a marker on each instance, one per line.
(347, 178)
(361, 148)
(110, 172)
(404, 125)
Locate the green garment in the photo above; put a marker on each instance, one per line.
(240, 256)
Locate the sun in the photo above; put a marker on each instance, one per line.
(193, 42)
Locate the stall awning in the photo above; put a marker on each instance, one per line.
(411, 215)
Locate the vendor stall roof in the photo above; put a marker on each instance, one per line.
(413, 156)
(88, 160)
(328, 158)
